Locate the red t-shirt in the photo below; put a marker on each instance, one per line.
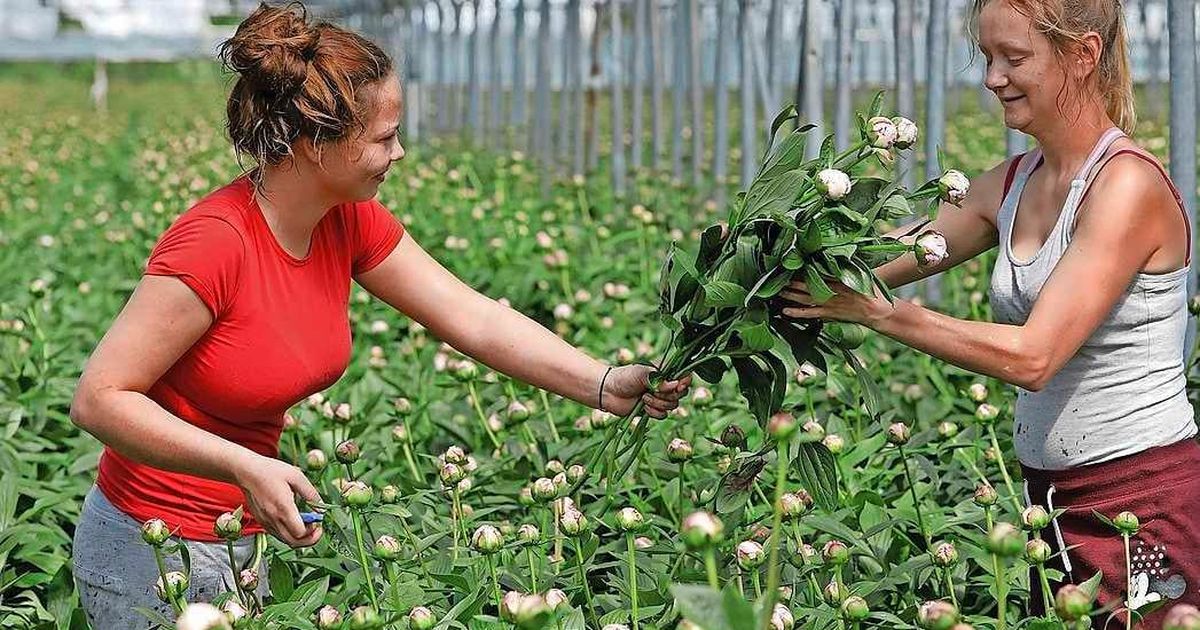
(280, 332)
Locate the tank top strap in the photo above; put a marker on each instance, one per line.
(1079, 185)
(1022, 166)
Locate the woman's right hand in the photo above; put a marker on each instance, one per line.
(271, 487)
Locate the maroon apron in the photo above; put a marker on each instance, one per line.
(1162, 487)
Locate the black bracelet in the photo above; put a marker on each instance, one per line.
(600, 396)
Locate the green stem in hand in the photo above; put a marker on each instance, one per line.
(356, 521)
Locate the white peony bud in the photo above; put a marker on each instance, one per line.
(832, 183)
(882, 132)
(906, 132)
(930, 248)
(953, 186)
(201, 616)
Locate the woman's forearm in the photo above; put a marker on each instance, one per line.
(140, 429)
(996, 350)
(513, 344)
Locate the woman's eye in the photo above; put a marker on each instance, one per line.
(1016, 62)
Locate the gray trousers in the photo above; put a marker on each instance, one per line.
(115, 571)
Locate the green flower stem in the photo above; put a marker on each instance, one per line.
(233, 569)
(1001, 593)
(776, 524)
(633, 589)
(950, 585)
(679, 499)
(587, 591)
(912, 488)
(389, 569)
(740, 583)
(757, 584)
(661, 492)
(1012, 494)
(454, 518)
(408, 456)
(532, 572)
(162, 574)
(549, 416)
(495, 581)
(356, 521)
(1046, 602)
(558, 535)
(1128, 584)
(710, 563)
(482, 417)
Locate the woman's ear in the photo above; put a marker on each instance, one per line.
(1087, 55)
(305, 149)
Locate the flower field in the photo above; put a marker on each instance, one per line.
(458, 498)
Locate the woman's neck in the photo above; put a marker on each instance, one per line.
(292, 206)
(1067, 142)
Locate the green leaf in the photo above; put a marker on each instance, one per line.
(712, 369)
(755, 383)
(701, 605)
(739, 614)
(801, 340)
(818, 473)
(1092, 585)
(723, 293)
(817, 288)
(775, 195)
(857, 279)
(279, 576)
(864, 193)
(755, 336)
(785, 156)
(710, 249)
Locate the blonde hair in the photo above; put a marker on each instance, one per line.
(1065, 23)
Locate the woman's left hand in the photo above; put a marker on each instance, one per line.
(846, 305)
(627, 383)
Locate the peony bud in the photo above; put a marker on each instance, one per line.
(986, 413)
(573, 522)
(906, 132)
(749, 554)
(781, 618)
(201, 616)
(575, 472)
(791, 505)
(487, 539)
(517, 412)
(733, 437)
(1035, 518)
(835, 552)
(679, 451)
(465, 371)
(389, 494)
(937, 615)
(985, 495)
(228, 526)
(1126, 523)
(629, 520)
(882, 132)
(701, 530)
(248, 579)
(1038, 551)
(455, 455)
(528, 534)
(855, 608)
(945, 554)
(342, 412)
(235, 613)
(781, 426)
(402, 405)
(364, 618)
(347, 452)
(544, 490)
(316, 460)
(328, 618)
(1005, 540)
(1182, 617)
(1072, 603)
(702, 397)
(451, 474)
(947, 429)
(356, 494)
(835, 593)
(176, 584)
(898, 433)
(556, 599)
(977, 392)
(387, 548)
(531, 611)
(832, 183)
(155, 532)
(930, 248)
(953, 187)
(421, 618)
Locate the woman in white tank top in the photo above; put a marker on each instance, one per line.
(1089, 293)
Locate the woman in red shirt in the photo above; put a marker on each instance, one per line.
(242, 313)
